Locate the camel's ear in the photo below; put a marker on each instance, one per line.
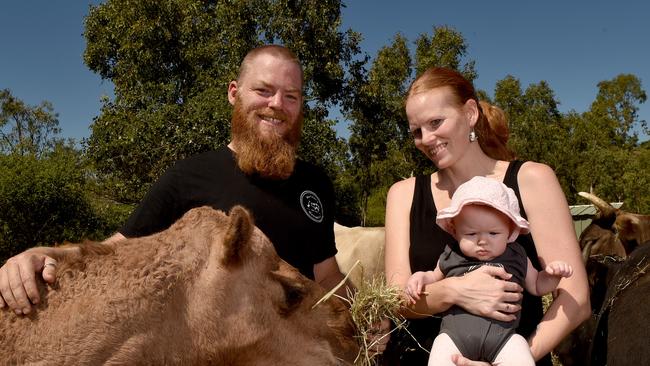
(238, 234)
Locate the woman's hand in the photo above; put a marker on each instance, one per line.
(459, 360)
(487, 292)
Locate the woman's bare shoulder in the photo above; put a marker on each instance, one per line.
(535, 174)
(540, 188)
(402, 187)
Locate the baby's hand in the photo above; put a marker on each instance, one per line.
(559, 268)
(415, 286)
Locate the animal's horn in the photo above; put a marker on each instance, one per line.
(605, 208)
(238, 234)
(586, 252)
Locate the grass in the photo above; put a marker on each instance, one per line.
(371, 303)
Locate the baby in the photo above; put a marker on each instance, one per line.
(484, 218)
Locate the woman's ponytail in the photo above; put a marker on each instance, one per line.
(492, 131)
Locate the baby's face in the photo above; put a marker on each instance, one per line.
(482, 232)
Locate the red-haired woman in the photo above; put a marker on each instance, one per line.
(464, 139)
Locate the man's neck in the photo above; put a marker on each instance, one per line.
(231, 146)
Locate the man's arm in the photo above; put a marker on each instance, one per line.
(18, 275)
(328, 275)
(18, 289)
(113, 238)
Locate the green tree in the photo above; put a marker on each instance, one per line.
(538, 131)
(24, 129)
(319, 143)
(636, 180)
(377, 114)
(571, 155)
(43, 186)
(380, 143)
(595, 151)
(394, 167)
(509, 97)
(445, 48)
(606, 143)
(616, 109)
(42, 201)
(533, 118)
(170, 62)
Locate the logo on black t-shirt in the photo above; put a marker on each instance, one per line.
(310, 203)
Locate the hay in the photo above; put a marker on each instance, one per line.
(371, 303)
(639, 271)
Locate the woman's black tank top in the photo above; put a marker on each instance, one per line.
(428, 241)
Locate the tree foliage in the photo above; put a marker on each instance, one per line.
(44, 193)
(171, 61)
(445, 48)
(616, 108)
(635, 182)
(24, 129)
(42, 201)
(320, 144)
(607, 150)
(596, 151)
(381, 147)
(377, 112)
(533, 118)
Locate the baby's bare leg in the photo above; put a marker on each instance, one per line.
(515, 352)
(442, 350)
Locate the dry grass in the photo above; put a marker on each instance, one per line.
(546, 302)
(639, 271)
(371, 303)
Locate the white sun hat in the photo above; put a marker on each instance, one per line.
(489, 192)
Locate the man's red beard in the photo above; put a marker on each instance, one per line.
(269, 155)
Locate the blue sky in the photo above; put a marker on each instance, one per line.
(570, 44)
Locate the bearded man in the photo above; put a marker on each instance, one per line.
(291, 201)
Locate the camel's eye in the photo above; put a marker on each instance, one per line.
(294, 293)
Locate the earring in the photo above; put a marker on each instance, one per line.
(472, 136)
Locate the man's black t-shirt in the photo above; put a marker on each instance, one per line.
(297, 214)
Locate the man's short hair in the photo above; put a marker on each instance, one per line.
(274, 50)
